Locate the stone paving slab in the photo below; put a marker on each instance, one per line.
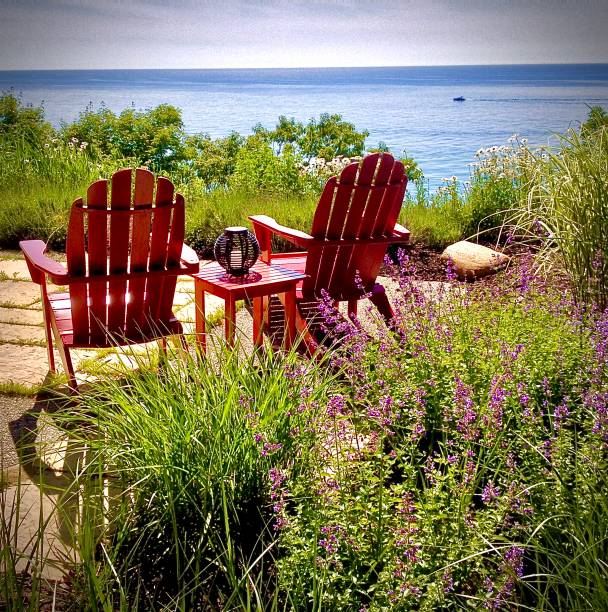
(56, 512)
(15, 269)
(21, 316)
(187, 312)
(19, 293)
(13, 424)
(26, 365)
(19, 333)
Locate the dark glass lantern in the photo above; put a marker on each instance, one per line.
(236, 250)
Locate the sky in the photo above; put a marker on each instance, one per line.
(89, 34)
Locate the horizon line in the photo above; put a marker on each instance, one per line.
(594, 63)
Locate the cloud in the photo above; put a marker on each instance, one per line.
(200, 34)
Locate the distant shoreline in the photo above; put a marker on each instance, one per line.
(237, 68)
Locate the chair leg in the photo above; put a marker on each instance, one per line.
(66, 359)
(352, 308)
(381, 302)
(64, 353)
(46, 313)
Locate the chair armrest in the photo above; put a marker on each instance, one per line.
(39, 264)
(189, 259)
(401, 231)
(263, 222)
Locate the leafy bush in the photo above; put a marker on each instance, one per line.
(257, 168)
(437, 220)
(327, 138)
(211, 161)
(461, 463)
(153, 137)
(21, 125)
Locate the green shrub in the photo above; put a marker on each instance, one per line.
(153, 137)
(22, 125)
(461, 463)
(258, 169)
(195, 452)
(327, 138)
(438, 220)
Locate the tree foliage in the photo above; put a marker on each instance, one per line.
(154, 137)
(327, 137)
(22, 122)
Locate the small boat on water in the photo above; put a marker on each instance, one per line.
(459, 99)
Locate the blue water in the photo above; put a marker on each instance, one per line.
(409, 108)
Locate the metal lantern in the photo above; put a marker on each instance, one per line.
(236, 250)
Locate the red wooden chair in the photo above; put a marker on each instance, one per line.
(355, 222)
(123, 258)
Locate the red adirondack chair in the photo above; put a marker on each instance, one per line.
(123, 258)
(355, 222)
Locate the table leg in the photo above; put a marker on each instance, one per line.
(290, 317)
(258, 320)
(230, 316)
(199, 302)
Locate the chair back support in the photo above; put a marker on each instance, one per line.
(363, 203)
(138, 229)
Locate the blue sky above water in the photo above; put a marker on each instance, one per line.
(87, 34)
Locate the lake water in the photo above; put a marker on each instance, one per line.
(409, 108)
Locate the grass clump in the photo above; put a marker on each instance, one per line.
(191, 454)
(566, 211)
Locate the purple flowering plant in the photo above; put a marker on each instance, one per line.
(467, 448)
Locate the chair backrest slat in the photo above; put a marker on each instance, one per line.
(362, 178)
(120, 199)
(174, 251)
(363, 203)
(159, 243)
(335, 226)
(97, 199)
(77, 266)
(371, 258)
(143, 195)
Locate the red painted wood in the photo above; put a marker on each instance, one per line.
(158, 247)
(120, 199)
(143, 195)
(335, 227)
(112, 263)
(76, 263)
(371, 259)
(174, 249)
(262, 280)
(97, 199)
(343, 271)
(323, 211)
(353, 225)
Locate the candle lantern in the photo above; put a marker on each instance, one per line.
(236, 250)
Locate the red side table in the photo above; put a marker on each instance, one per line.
(263, 280)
